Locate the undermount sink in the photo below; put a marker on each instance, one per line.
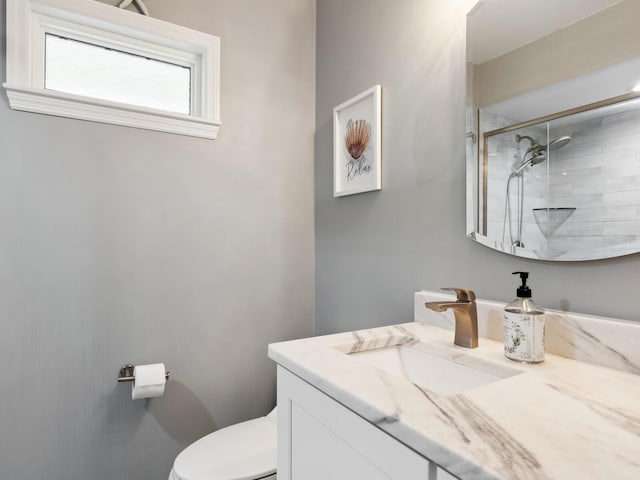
(439, 369)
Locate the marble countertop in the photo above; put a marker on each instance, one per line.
(562, 419)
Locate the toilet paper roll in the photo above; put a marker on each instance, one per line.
(149, 381)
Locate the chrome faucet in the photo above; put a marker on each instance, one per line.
(465, 313)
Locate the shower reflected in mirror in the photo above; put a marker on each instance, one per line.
(553, 115)
(534, 155)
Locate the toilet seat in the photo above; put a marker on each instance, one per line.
(245, 451)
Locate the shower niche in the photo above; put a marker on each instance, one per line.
(553, 143)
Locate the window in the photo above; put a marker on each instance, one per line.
(88, 60)
(95, 71)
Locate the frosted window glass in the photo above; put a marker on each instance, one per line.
(98, 72)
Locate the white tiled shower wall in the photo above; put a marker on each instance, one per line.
(597, 173)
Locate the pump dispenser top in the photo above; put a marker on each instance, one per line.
(523, 291)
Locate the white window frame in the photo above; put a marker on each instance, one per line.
(28, 21)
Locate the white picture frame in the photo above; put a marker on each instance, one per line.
(357, 144)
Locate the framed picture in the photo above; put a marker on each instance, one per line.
(356, 144)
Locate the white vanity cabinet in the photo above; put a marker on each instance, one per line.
(319, 439)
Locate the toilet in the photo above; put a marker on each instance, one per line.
(244, 451)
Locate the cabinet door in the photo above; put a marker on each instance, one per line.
(319, 439)
(317, 453)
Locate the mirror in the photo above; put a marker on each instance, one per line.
(553, 127)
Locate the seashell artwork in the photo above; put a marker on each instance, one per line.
(356, 144)
(357, 137)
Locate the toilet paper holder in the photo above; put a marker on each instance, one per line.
(126, 374)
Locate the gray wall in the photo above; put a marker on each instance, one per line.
(374, 250)
(122, 245)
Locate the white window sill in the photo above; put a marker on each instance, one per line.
(95, 110)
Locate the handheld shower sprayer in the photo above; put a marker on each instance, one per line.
(534, 155)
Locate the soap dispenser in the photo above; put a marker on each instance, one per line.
(524, 326)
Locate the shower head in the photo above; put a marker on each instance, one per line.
(538, 152)
(559, 143)
(554, 145)
(538, 155)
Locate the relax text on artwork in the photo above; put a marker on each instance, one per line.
(356, 140)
